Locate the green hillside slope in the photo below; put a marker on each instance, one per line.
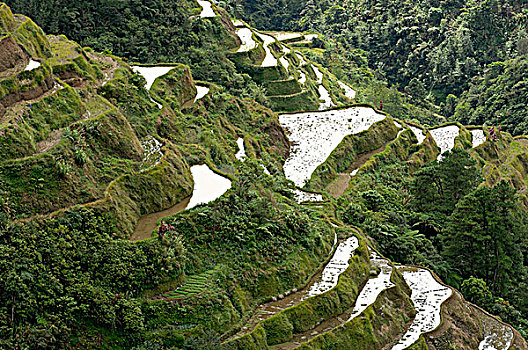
(245, 189)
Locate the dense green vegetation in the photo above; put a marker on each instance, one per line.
(65, 273)
(61, 274)
(74, 179)
(441, 44)
(498, 97)
(93, 24)
(147, 32)
(72, 279)
(442, 217)
(166, 31)
(431, 50)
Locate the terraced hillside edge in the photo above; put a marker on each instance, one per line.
(228, 190)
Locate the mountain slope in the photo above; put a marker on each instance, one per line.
(442, 44)
(91, 146)
(497, 97)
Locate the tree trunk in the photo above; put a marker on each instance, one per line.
(496, 272)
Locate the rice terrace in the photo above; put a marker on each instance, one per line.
(241, 174)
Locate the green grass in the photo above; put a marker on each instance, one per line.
(195, 284)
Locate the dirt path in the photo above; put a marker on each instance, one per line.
(148, 223)
(53, 140)
(325, 326)
(338, 187)
(317, 285)
(369, 292)
(188, 104)
(108, 73)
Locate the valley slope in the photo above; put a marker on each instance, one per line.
(317, 198)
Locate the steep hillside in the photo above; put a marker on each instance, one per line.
(440, 44)
(167, 31)
(236, 195)
(433, 51)
(498, 97)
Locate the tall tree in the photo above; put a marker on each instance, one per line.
(483, 236)
(437, 187)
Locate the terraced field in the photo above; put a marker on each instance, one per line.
(128, 159)
(193, 285)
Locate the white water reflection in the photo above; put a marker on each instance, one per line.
(497, 336)
(246, 36)
(151, 73)
(321, 283)
(374, 286)
(152, 152)
(302, 196)
(32, 65)
(269, 60)
(284, 62)
(310, 37)
(349, 92)
(316, 134)
(241, 154)
(302, 77)
(418, 133)
(323, 92)
(445, 138)
(281, 36)
(207, 9)
(318, 74)
(264, 168)
(325, 96)
(302, 61)
(208, 185)
(427, 296)
(337, 265)
(238, 23)
(478, 137)
(201, 91)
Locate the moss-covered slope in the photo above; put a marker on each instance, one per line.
(76, 176)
